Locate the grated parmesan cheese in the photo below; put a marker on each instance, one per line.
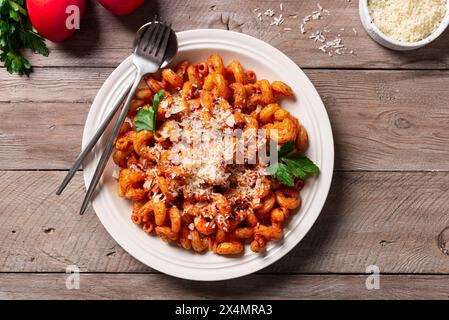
(148, 184)
(407, 20)
(115, 174)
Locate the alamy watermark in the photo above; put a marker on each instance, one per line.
(72, 282)
(74, 19)
(373, 280)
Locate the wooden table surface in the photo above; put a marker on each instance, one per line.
(388, 202)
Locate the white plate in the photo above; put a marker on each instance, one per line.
(114, 212)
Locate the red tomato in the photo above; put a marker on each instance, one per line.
(120, 7)
(55, 20)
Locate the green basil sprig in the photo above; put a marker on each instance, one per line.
(146, 116)
(17, 33)
(290, 166)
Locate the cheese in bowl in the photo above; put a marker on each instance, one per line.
(407, 21)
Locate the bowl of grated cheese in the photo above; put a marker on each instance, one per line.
(404, 24)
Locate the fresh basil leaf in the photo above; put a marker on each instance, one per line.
(306, 163)
(283, 175)
(157, 98)
(295, 169)
(286, 148)
(300, 166)
(272, 168)
(145, 119)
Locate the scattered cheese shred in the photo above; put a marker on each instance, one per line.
(407, 20)
(319, 36)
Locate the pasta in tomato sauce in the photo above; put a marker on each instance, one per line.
(181, 177)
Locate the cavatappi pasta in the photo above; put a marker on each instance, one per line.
(191, 196)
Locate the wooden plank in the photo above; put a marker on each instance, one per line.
(156, 286)
(62, 85)
(377, 117)
(111, 40)
(386, 219)
(380, 117)
(41, 136)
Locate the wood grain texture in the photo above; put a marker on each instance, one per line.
(157, 286)
(377, 117)
(386, 219)
(106, 40)
(40, 136)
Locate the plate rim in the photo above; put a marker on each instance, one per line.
(324, 124)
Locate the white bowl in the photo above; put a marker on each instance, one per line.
(114, 212)
(394, 44)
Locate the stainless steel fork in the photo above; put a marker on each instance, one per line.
(148, 54)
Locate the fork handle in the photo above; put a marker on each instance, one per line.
(110, 143)
(79, 160)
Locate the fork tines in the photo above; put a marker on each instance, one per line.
(149, 32)
(155, 39)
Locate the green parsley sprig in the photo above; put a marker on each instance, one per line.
(290, 166)
(146, 116)
(16, 33)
